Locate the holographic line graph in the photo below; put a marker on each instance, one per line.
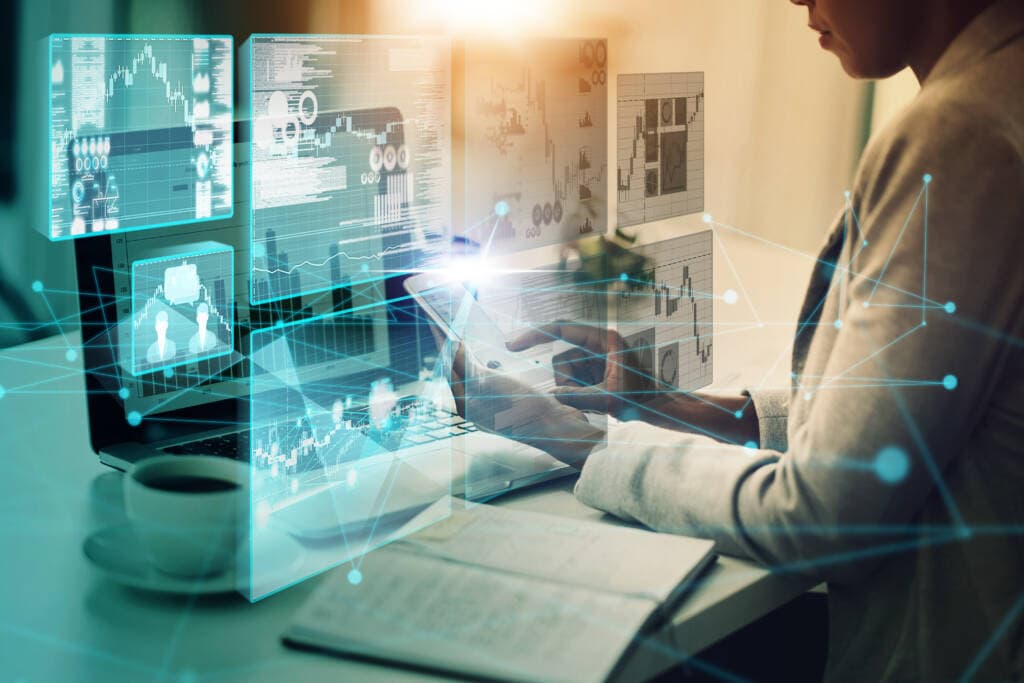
(143, 315)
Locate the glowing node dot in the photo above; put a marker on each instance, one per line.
(294, 486)
(866, 304)
(891, 465)
(865, 243)
(624, 277)
(501, 208)
(927, 178)
(37, 286)
(707, 218)
(949, 382)
(124, 393)
(738, 414)
(950, 307)
(838, 323)
(730, 296)
(3, 392)
(924, 323)
(134, 418)
(169, 373)
(71, 355)
(630, 413)
(365, 267)
(846, 194)
(750, 445)
(355, 577)
(807, 396)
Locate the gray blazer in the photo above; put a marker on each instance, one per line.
(894, 468)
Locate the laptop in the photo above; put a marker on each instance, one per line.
(372, 341)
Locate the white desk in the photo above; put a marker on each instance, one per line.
(61, 621)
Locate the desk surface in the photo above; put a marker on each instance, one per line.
(61, 620)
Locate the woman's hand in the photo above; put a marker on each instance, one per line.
(501, 404)
(603, 374)
(600, 374)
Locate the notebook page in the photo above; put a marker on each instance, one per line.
(582, 553)
(428, 612)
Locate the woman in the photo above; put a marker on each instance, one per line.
(907, 500)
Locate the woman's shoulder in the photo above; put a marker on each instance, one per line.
(962, 116)
(967, 128)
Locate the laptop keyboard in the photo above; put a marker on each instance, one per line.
(226, 445)
(435, 425)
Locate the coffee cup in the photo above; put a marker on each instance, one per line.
(188, 511)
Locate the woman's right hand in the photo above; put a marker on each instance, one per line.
(600, 374)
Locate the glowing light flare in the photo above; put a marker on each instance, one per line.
(474, 16)
(470, 269)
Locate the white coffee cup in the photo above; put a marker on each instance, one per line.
(189, 511)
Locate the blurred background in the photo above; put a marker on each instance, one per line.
(785, 125)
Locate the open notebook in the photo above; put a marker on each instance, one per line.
(508, 595)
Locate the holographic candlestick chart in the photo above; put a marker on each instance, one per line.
(665, 312)
(140, 133)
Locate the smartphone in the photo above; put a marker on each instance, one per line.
(464, 319)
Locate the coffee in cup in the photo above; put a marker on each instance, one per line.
(189, 511)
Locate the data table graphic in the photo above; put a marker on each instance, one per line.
(182, 307)
(140, 132)
(536, 149)
(665, 313)
(660, 145)
(351, 157)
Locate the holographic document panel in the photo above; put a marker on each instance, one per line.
(140, 132)
(536, 148)
(339, 459)
(351, 157)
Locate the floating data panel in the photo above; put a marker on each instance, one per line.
(351, 157)
(665, 312)
(339, 459)
(536, 150)
(140, 132)
(182, 307)
(660, 146)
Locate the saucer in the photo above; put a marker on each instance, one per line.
(117, 552)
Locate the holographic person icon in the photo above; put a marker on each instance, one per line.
(203, 340)
(163, 349)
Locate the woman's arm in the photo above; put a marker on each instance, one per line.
(894, 394)
(713, 415)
